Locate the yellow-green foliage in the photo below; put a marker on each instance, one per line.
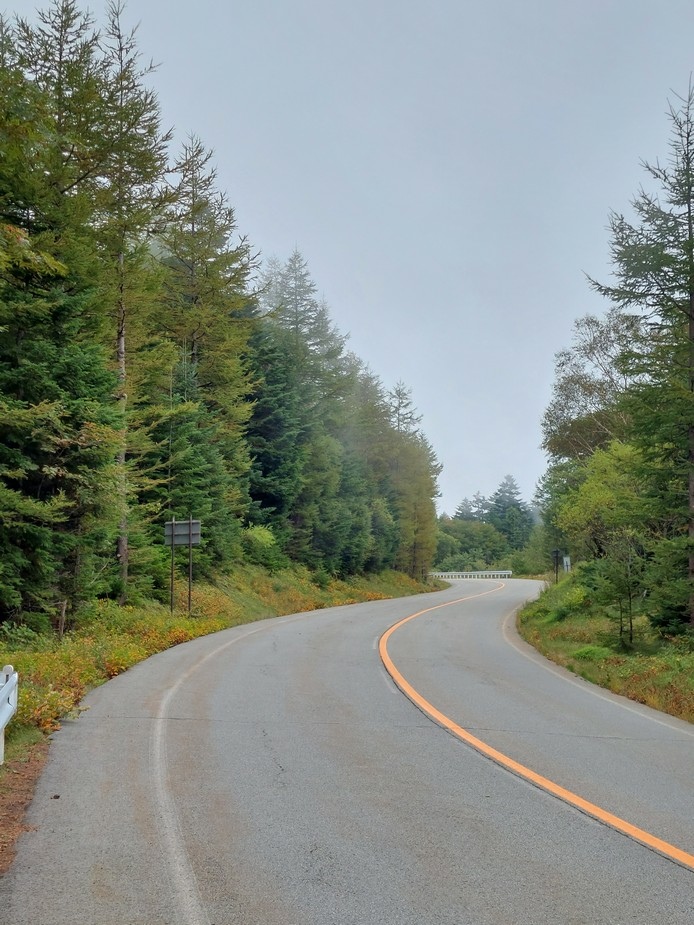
(108, 639)
(658, 672)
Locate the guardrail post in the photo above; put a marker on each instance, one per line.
(9, 682)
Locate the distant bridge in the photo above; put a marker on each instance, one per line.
(492, 573)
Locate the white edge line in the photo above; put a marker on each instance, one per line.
(183, 879)
(516, 641)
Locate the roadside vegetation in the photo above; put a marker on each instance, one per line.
(618, 495)
(106, 639)
(499, 532)
(570, 625)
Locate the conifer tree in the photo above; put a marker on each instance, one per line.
(403, 415)
(290, 300)
(130, 199)
(207, 305)
(206, 312)
(187, 452)
(59, 432)
(509, 514)
(415, 488)
(275, 432)
(60, 55)
(653, 259)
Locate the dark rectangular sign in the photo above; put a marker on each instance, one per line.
(182, 533)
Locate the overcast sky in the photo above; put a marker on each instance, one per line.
(446, 168)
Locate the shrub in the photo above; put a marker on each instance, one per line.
(573, 600)
(592, 653)
(261, 548)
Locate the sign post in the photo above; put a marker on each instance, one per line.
(182, 533)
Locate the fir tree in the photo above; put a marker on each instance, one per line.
(509, 514)
(654, 265)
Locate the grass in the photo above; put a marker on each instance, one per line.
(567, 627)
(19, 744)
(107, 639)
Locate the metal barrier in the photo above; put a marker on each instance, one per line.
(9, 683)
(492, 573)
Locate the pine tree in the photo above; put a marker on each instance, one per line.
(59, 434)
(654, 265)
(60, 55)
(403, 415)
(509, 514)
(415, 470)
(102, 170)
(475, 509)
(289, 299)
(188, 450)
(274, 432)
(206, 311)
(130, 199)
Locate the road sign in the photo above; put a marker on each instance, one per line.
(182, 533)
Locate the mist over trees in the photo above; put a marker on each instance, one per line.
(151, 367)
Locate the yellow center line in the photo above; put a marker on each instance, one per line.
(602, 815)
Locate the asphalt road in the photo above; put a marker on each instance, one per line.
(274, 774)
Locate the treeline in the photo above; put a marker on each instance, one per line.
(501, 531)
(619, 491)
(150, 368)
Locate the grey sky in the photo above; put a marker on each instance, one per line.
(446, 168)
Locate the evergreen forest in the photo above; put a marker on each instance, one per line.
(152, 367)
(617, 497)
(618, 494)
(501, 531)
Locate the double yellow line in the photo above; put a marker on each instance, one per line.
(620, 825)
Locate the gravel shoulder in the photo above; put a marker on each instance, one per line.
(18, 781)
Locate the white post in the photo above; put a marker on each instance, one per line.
(8, 703)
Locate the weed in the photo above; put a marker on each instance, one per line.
(591, 653)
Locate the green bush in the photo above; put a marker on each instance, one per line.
(261, 548)
(592, 653)
(574, 600)
(19, 636)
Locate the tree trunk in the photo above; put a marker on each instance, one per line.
(122, 542)
(690, 332)
(61, 619)
(691, 467)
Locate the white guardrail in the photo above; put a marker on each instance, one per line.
(492, 573)
(9, 683)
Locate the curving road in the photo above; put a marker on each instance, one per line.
(274, 774)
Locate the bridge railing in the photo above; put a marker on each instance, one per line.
(489, 573)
